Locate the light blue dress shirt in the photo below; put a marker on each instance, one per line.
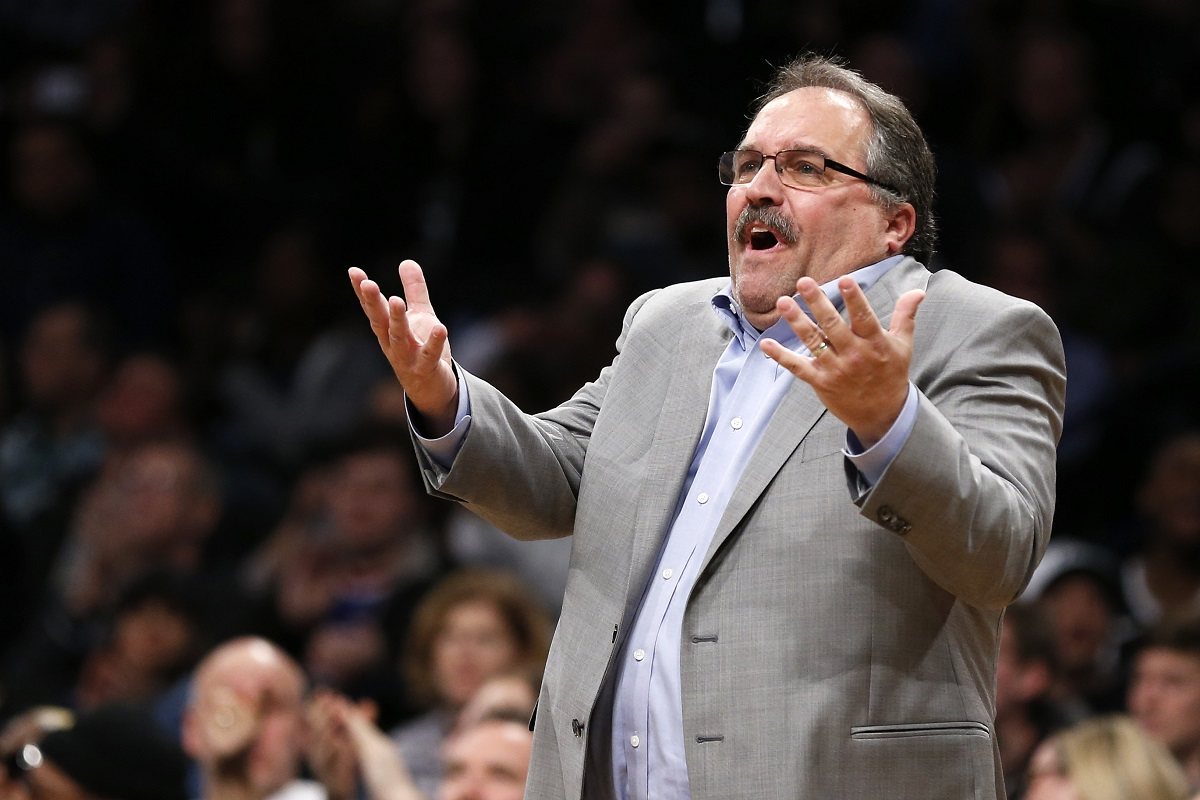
(647, 723)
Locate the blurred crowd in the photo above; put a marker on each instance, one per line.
(209, 512)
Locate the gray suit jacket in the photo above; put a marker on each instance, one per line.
(841, 640)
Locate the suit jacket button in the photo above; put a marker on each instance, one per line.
(577, 727)
(886, 515)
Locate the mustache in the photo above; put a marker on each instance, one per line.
(769, 216)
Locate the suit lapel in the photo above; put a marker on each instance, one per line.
(701, 340)
(800, 411)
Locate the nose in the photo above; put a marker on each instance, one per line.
(765, 189)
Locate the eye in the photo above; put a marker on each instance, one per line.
(804, 166)
(746, 164)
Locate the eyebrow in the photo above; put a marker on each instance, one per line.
(808, 148)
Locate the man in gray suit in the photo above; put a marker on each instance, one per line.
(796, 523)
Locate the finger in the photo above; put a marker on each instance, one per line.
(825, 314)
(863, 321)
(806, 330)
(399, 333)
(802, 368)
(416, 292)
(374, 306)
(904, 317)
(431, 350)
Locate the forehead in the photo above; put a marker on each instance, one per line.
(1161, 659)
(493, 742)
(825, 119)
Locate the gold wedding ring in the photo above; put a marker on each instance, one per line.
(821, 348)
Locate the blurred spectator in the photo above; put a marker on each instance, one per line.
(1164, 690)
(154, 637)
(245, 725)
(1163, 577)
(341, 575)
(1026, 671)
(142, 401)
(1076, 585)
(116, 752)
(488, 760)
(150, 510)
(54, 444)
(473, 625)
(1107, 758)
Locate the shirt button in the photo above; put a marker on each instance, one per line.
(635, 740)
(702, 498)
(736, 423)
(639, 654)
(667, 573)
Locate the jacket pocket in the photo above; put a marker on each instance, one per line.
(904, 731)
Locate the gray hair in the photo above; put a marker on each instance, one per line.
(897, 153)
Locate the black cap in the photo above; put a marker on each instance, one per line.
(119, 752)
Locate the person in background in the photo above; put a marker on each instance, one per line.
(1104, 758)
(1077, 586)
(486, 758)
(473, 626)
(1164, 690)
(1163, 578)
(244, 724)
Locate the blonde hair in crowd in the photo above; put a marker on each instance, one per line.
(1110, 758)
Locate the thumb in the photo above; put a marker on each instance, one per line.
(904, 316)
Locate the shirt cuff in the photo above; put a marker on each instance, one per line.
(872, 462)
(443, 449)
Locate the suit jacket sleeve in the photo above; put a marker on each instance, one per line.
(521, 472)
(972, 489)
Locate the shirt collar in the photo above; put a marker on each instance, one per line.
(730, 312)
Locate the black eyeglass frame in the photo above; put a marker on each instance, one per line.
(836, 166)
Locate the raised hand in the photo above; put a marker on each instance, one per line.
(415, 344)
(858, 370)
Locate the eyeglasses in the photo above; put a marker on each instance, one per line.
(799, 169)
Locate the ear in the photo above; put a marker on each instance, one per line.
(901, 224)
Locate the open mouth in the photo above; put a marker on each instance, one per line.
(763, 240)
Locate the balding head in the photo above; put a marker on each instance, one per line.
(244, 722)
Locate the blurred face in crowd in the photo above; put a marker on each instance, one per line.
(143, 399)
(820, 232)
(1082, 620)
(247, 713)
(1164, 698)
(1170, 496)
(371, 498)
(475, 642)
(159, 497)
(58, 365)
(488, 761)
